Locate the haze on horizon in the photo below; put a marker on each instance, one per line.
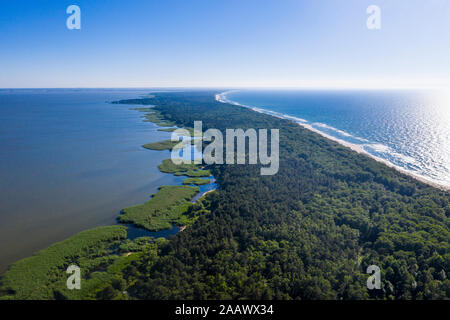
(200, 43)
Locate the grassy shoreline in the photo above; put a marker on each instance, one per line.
(166, 207)
(104, 252)
(41, 275)
(189, 170)
(196, 181)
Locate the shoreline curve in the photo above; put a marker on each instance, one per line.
(221, 97)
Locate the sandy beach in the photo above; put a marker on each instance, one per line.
(222, 98)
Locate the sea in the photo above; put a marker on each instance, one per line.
(408, 129)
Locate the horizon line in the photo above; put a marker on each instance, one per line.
(440, 87)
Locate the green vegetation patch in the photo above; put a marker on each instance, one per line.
(167, 129)
(152, 115)
(190, 170)
(193, 174)
(157, 119)
(143, 109)
(196, 181)
(191, 130)
(168, 206)
(43, 276)
(167, 166)
(161, 145)
(165, 145)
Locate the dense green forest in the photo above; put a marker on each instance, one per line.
(308, 232)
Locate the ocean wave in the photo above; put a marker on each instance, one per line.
(341, 132)
(388, 151)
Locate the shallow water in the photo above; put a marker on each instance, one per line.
(133, 232)
(204, 189)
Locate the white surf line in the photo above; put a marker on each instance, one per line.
(301, 122)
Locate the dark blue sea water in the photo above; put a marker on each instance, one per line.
(410, 129)
(70, 161)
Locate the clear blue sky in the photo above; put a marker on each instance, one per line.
(229, 43)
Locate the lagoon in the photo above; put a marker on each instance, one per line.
(70, 161)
